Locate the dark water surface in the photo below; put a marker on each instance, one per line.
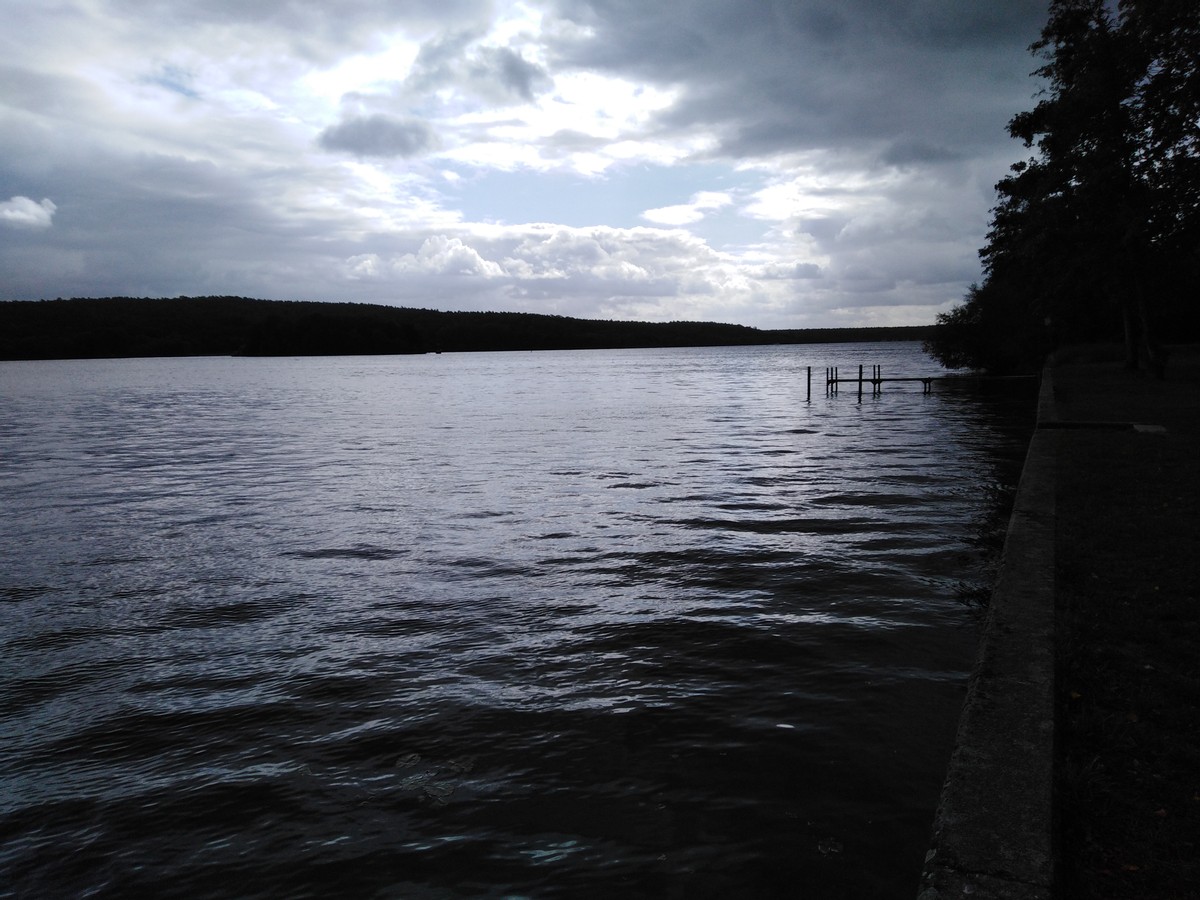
(591, 624)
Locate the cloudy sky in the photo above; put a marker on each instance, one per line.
(776, 163)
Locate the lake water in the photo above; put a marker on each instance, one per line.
(638, 623)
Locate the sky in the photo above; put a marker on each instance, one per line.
(772, 163)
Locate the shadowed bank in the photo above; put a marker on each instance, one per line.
(1074, 770)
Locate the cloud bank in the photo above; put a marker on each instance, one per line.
(777, 164)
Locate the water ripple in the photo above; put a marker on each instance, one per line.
(556, 625)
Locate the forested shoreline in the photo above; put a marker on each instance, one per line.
(1096, 234)
(115, 327)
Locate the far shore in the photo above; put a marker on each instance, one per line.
(116, 327)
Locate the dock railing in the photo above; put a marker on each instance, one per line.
(876, 379)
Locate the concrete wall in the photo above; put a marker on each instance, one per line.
(993, 834)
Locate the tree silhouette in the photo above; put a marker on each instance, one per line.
(1092, 235)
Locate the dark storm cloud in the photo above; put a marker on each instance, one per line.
(142, 224)
(438, 59)
(159, 226)
(498, 74)
(916, 152)
(512, 71)
(379, 135)
(780, 75)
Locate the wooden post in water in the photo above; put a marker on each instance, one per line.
(860, 382)
(809, 391)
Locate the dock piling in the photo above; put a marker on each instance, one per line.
(876, 380)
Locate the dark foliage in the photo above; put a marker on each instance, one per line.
(1097, 235)
(222, 326)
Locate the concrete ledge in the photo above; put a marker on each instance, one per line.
(993, 834)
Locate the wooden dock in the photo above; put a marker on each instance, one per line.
(876, 379)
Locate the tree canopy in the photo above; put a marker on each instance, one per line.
(1096, 235)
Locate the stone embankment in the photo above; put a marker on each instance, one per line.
(1097, 584)
(993, 834)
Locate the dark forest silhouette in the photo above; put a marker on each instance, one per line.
(114, 327)
(1096, 236)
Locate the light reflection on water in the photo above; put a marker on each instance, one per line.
(555, 624)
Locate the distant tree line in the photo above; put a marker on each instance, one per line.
(1096, 236)
(113, 327)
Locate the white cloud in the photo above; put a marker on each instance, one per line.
(606, 120)
(673, 215)
(438, 255)
(21, 212)
(802, 270)
(688, 213)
